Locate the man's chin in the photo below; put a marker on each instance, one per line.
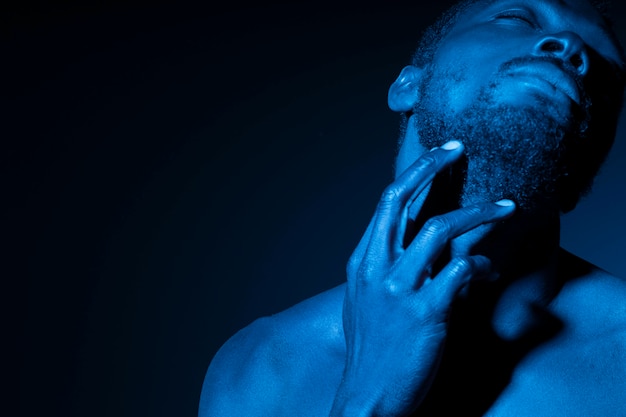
(512, 152)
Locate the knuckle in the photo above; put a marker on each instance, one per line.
(475, 210)
(390, 194)
(391, 287)
(428, 161)
(462, 265)
(437, 225)
(426, 309)
(352, 266)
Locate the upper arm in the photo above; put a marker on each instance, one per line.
(286, 364)
(241, 380)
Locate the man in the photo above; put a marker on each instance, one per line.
(458, 299)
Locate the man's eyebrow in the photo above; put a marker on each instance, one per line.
(487, 3)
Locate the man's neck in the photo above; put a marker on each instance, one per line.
(524, 253)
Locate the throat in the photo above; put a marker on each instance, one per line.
(524, 256)
(522, 306)
(477, 355)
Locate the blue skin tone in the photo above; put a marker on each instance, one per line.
(373, 346)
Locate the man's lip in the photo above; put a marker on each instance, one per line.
(553, 75)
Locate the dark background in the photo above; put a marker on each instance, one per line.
(173, 171)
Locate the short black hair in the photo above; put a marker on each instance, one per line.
(434, 34)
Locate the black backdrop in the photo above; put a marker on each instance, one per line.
(172, 172)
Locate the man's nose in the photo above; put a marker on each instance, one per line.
(567, 46)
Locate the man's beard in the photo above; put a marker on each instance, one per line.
(512, 152)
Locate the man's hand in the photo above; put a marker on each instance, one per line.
(395, 310)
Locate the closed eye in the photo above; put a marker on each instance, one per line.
(517, 16)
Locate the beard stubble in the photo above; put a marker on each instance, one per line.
(512, 152)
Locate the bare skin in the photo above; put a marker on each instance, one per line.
(474, 306)
(572, 363)
(578, 373)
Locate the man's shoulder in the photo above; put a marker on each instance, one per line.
(581, 370)
(592, 298)
(592, 353)
(275, 355)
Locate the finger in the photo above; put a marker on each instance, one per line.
(439, 230)
(392, 209)
(359, 252)
(453, 277)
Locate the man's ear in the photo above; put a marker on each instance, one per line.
(404, 91)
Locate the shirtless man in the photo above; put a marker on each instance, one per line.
(458, 299)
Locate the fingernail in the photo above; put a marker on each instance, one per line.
(436, 147)
(453, 144)
(505, 203)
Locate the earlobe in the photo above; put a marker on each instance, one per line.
(404, 92)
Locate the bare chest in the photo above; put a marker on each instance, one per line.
(560, 379)
(582, 379)
(563, 377)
